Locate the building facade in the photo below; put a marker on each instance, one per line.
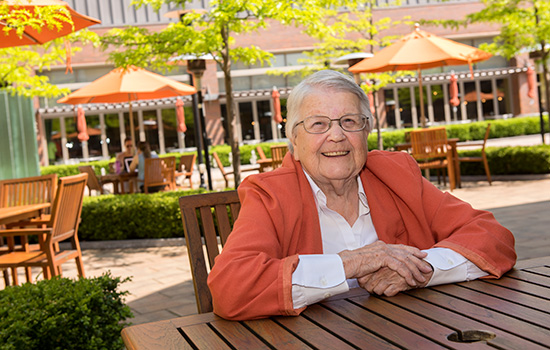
(498, 88)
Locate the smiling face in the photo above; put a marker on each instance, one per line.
(336, 155)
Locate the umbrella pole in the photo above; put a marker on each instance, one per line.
(421, 93)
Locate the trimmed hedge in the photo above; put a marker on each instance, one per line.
(509, 160)
(62, 313)
(132, 216)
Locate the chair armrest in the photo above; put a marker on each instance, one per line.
(25, 232)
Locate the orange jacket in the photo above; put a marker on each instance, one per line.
(252, 277)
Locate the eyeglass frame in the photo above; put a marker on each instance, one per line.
(365, 117)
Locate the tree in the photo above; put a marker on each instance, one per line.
(18, 64)
(211, 32)
(525, 26)
(342, 32)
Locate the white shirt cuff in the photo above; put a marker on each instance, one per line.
(450, 267)
(317, 277)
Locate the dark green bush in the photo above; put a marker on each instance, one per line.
(132, 216)
(509, 160)
(62, 313)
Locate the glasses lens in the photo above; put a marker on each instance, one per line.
(353, 122)
(317, 124)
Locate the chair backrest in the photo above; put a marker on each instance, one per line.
(487, 132)
(188, 160)
(93, 181)
(67, 207)
(429, 143)
(220, 164)
(28, 190)
(159, 172)
(278, 152)
(260, 152)
(207, 218)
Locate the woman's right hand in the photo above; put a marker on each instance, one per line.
(405, 260)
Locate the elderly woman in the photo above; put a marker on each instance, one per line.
(335, 216)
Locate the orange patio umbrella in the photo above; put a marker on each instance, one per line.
(277, 116)
(453, 91)
(127, 85)
(180, 115)
(81, 125)
(420, 50)
(41, 33)
(531, 82)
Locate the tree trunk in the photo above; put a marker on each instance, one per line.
(231, 120)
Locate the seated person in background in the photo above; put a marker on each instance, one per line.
(143, 152)
(128, 152)
(334, 217)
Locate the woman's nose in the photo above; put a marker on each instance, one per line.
(335, 132)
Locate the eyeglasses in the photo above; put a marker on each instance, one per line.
(319, 124)
(129, 146)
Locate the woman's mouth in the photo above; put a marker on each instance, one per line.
(335, 154)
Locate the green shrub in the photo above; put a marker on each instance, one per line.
(62, 313)
(132, 216)
(509, 160)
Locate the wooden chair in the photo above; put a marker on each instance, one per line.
(226, 173)
(278, 152)
(23, 191)
(188, 161)
(159, 172)
(264, 162)
(62, 226)
(94, 184)
(483, 157)
(430, 149)
(207, 218)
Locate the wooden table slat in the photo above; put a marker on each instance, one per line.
(431, 330)
(203, 337)
(346, 329)
(454, 320)
(525, 275)
(509, 294)
(542, 270)
(489, 317)
(237, 335)
(157, 335)
(523, 286)
(275, 335)
(505, 307)
(312, 333)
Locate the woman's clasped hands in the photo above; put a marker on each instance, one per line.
(387, 269)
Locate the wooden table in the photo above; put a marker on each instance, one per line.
(119, 180)
(511, 313)
(21, 212)
(452, 143)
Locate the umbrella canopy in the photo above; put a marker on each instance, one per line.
(180, 115)
(277, 116)
(420, 50)
(42, 34)
(127, 85)
(81, 125)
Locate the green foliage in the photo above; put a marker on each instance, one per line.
(509, 160)
(132, 216)
(61, 313)
(17, 64)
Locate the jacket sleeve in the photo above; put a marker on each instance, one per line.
(252, 277)
(475, 234)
